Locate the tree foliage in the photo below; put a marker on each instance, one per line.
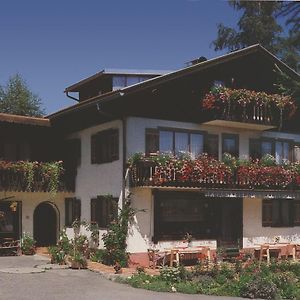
(259, 23)
(17, 98)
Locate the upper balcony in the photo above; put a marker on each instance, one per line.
(241, 108)
(208, 173)
(25, 176)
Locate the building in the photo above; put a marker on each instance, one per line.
(96, 136)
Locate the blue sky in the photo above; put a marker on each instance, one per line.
(54, 44)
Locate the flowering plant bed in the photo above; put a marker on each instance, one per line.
(204, 171)
(279, 280)
(248, 106)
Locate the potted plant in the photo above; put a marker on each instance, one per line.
(189, 239)
(28, 245)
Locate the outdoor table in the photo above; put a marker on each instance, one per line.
(177, 252)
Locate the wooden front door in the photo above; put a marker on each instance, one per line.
(45, 224)
(231, 223)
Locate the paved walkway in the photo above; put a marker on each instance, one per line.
(70, 284)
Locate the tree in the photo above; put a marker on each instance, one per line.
(259, 24)
(16, 98)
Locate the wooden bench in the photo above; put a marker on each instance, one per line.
(10, 248)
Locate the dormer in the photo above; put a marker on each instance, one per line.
(109, 80)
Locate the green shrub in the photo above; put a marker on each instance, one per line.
(170, 274)
(28, 244)
(187, 287)
(260, 288)
(226, 271)
(57, 255)
(97, 255)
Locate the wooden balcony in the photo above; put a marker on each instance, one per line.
(149, 173)
(246, 109)
(17, 180)
(251, 116)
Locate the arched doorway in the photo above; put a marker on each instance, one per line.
(45, 224)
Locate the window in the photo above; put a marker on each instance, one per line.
(282, 151)
(178, 142)
(267, 147)
(230, 144)
(152, 141)
(10, 219)
(104, 210)
(105, 146)
(179, 213)
(172, 141)
(72, 210)
(296, 152)
(212, 145)
(280, 213)
(12, 151)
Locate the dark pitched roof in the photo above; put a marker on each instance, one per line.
(151, 83)
(9, 118)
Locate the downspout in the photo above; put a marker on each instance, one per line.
(124, 139)
(71, 97)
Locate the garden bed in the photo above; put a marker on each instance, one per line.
(279, 280)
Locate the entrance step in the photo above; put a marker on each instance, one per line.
(42, 251)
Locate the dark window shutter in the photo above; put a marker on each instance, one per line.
(255, 149)
(68, 211)
(2, 156)
(296, 212)
(94, 210)
(76, 209)
(266, 212)
(152, 140)
(114, 144)
(211, 145)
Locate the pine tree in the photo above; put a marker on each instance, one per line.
(16, 98)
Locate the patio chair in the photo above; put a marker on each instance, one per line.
(264, 253)
(156, 258)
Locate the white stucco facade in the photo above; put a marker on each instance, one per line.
(93, 180)
(253, 231)
(102, 179)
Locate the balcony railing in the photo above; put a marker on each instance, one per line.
(210, 173)
(35, 177)
(241, 105)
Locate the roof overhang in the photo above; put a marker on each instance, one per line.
(24, 120)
